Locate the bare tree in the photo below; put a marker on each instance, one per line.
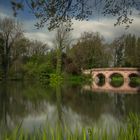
(10, 31)
(61, 41)
(118, 50)
(37, 48)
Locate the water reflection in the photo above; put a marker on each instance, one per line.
(72, 105)
(120, 96)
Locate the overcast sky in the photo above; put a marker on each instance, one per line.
(103, 25)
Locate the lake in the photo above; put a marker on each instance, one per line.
(34, 106)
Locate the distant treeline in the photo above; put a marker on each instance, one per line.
(21, 58)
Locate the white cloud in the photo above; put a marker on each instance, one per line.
(2, 15)
(40, 36)
(105, 26)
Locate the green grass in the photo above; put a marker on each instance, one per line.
(132, 79)
(118, 81)
(135, 80)
(129, 131)
(77, 79)
(115, 79)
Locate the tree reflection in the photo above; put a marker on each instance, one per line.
(4, 107)
(17, 101)
(119, 101)
(59, 105)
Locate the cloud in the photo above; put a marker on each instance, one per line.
(40, 36)
(105, 26)
(2, 15)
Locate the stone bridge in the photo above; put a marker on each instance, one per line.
(108, 72)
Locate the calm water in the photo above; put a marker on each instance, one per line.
(34, 106)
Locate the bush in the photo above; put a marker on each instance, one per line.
(55, 80)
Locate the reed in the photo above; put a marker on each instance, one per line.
(129, 131)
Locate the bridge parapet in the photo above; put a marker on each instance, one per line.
(115, 69)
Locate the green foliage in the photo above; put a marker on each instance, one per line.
(44, 72)
(31, 70)
(130, 131)
(117, 81)
(89, 52)
(125, 51)
(135, 79)
(130, 50)
(39, 68)
(33, 60)
(56, 80)
(77, 79)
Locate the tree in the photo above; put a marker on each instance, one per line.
(138, 52)
(37, 48)
(62, 40)
(118, 52)
(54, 12)
(89, 51)
(130, 50)
(126, 51)
(10, 31)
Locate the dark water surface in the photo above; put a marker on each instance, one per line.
(34, 106)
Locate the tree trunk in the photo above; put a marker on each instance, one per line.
(59, 61)
(5, 67)
(6, 61)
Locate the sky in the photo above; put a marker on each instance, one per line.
(103, 25)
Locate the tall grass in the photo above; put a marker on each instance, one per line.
(129, 131)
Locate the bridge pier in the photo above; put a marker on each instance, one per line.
(126, 78)
(107, 78)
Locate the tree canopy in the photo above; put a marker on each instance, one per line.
(54, 12)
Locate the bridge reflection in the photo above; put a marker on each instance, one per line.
(124, 89)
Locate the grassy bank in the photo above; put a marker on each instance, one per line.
(129, 131)
(77, 79)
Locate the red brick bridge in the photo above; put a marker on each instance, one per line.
(126, 73)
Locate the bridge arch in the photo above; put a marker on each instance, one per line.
(120, 79)
(133, 81)
(134, 73)
(107, 72)
(100, 79)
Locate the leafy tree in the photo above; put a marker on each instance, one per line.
(138, 52)
(54, 12)
(89, 51)
(130, 50)
(126, 51)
